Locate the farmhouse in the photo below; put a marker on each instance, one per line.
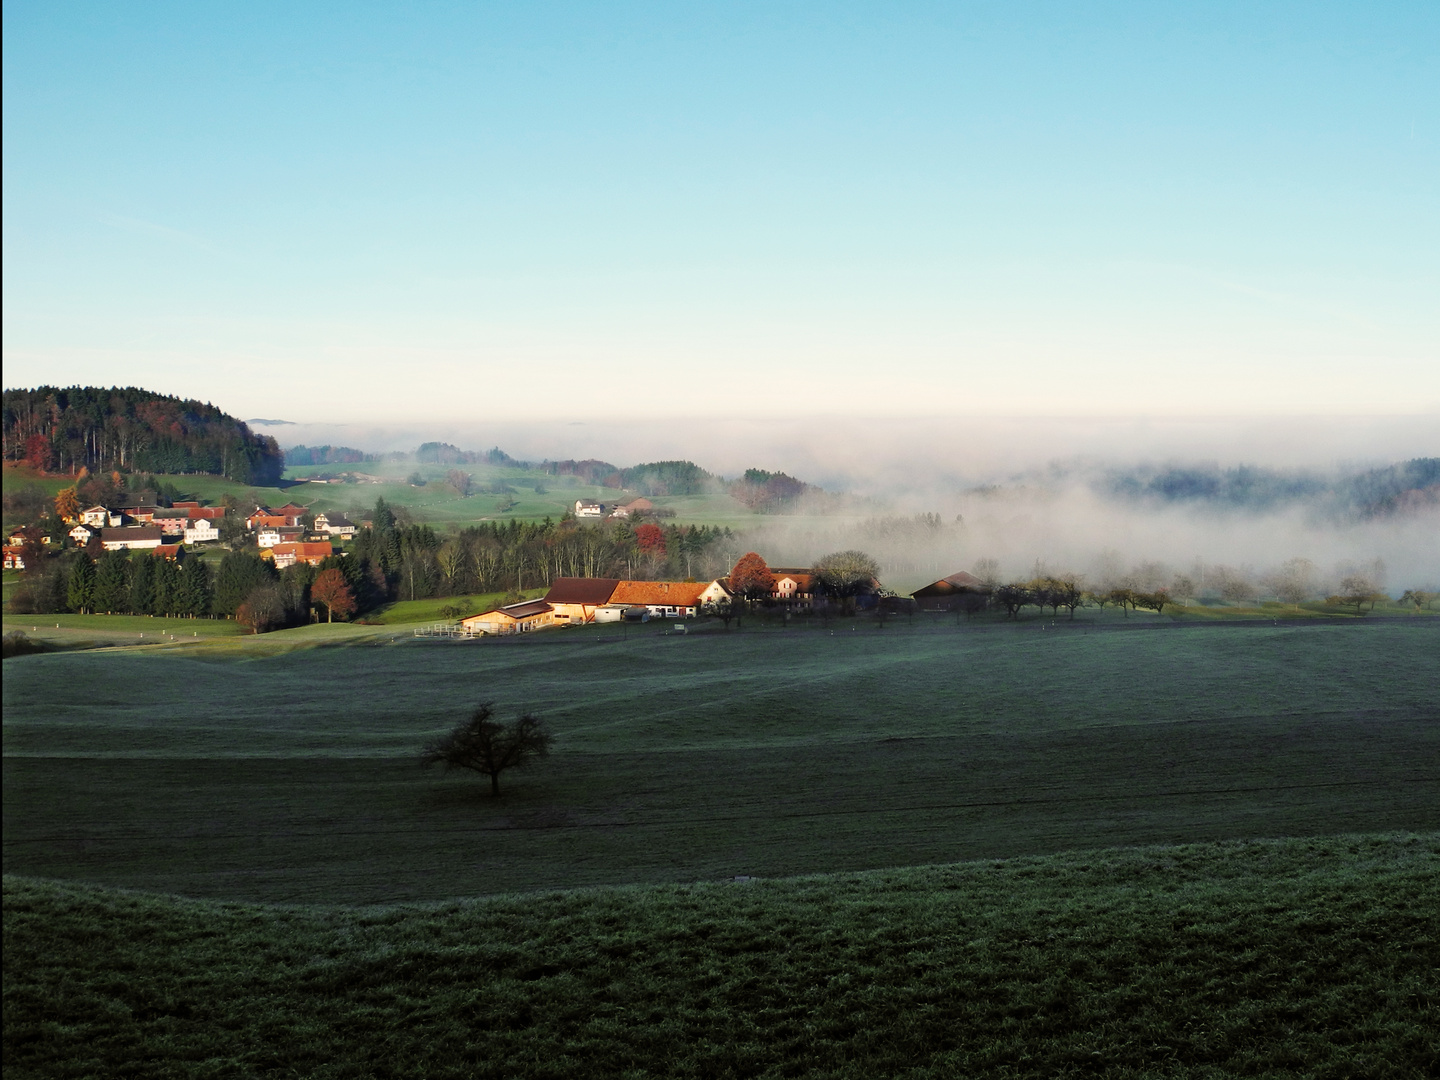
(634, 506)
(14, 557)
(792, 586)
(81, 534)
(575, 600)
(589, 508)
(290, 553)
(131, 538)
(958, 592)
(661, 599)
(511, 619)
(97, 516)
(334, 525)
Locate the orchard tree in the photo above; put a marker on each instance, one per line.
(484, 745)
(846, 573)
(1013, 596)
(332, 590)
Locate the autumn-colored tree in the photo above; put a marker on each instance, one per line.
(751, 577)
(651, 539)
(67, 504)
(332, 590)
(38, 452)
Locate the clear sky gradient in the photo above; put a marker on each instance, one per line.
(449, 212)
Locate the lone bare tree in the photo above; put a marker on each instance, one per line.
(485, 745)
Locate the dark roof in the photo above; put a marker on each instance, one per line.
(581, 590)
(131, 532)
(946, 586)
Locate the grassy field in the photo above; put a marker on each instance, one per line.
(1299, 958)
(247, 769)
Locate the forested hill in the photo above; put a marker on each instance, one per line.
(133, 430)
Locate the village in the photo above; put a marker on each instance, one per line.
(292, 534)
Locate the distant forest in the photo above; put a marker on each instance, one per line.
(327, 455)
(133, 430)
(1382, 492)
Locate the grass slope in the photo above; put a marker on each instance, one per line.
(224, 770)
(1304, 958)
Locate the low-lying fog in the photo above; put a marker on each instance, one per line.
(1062, 494)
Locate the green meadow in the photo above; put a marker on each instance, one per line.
(931, 849)
(256, 769)
(1295, 958)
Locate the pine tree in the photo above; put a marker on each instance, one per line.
(167, 581)
(142, 583)
(81, 593)
(193, 592)
(112, 583)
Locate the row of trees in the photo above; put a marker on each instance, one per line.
(512, 556)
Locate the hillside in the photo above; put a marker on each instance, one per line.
(1302, 958)
(134, 431)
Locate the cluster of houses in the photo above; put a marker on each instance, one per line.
(136, 522)
(575, 601)
(589, 508)
(281, 535)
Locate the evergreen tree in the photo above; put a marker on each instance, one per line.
(241, 573)
(112, 582)
(81, 592)
(193, 594)
(167, 582)
(142, 583)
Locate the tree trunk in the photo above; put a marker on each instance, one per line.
(495, 783)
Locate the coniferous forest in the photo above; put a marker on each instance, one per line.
(133, 430)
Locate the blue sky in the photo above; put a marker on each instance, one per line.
(446, 212)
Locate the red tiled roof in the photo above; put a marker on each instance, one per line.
(581, 590)
(659, 593)
(319, 549)
(166, 551)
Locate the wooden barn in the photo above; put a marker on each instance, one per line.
(958, 592)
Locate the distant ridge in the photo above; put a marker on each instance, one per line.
(269, 423)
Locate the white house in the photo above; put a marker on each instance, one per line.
(97, 516)
(589, 508)
(81, 534)
(268, 536)
(201, 530)
(334, 525)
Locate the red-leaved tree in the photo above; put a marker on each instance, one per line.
(332, 590)
(751, 577)
(651, 539)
